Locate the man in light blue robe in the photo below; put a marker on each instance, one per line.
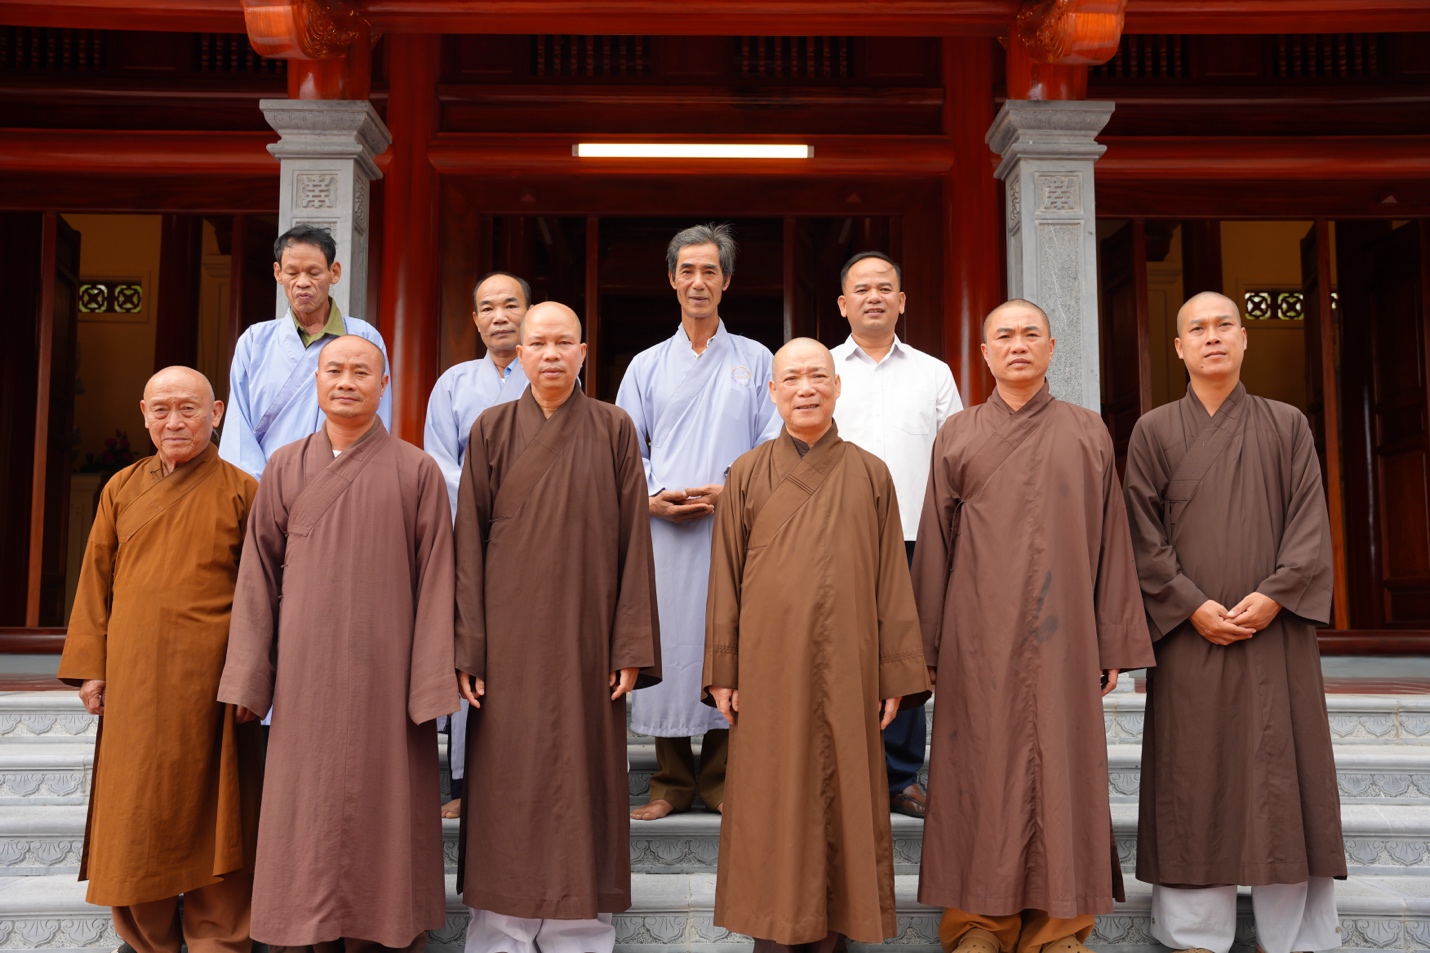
(465, 390)
(699, 400)
(272, 400)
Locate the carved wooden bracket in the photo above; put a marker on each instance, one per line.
(1071, 32)
(328, 44)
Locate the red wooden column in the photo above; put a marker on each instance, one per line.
(973, 227)
(409, 313)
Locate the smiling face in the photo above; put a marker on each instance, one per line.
(551, 352)
(1017, 344)
(1210, 337)
(306, 277)
(804, 388)
(698, 281)
(872, 300)
(180, 414)
(351, 379)
(500, 307)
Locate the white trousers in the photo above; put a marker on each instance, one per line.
(497, 933)
(1289, 917)
(457, 725)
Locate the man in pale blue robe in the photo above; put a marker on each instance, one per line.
(271, 397)
(699, 400)
(465, 390)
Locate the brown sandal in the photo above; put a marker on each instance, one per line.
(977, 940)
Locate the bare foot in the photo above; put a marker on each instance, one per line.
(653, 811)
(720, 807)
(452, 808)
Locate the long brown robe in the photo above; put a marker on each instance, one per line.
(1238, 775)
(343, 621)
(555, 590)
(1026, 590)
(174, 801)
(811, 617)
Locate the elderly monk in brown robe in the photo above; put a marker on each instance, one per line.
(556, 622)
(174, 804)
(1234, 551)
(811, 642)
(343, 622)
(1028, 597)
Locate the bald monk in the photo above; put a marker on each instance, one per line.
(556, 622)
(1028, 597)
(343, 622)
(811, 647)
(173, 807)
(1234, 552)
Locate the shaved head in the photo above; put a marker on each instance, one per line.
(346, 339)
(179, 377)
(804, 388)
(1016, 305)
(1206, 302)
(803, 350)
(546, 312)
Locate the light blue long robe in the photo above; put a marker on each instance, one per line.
(694, 415)
(458, 399)
(273, 393)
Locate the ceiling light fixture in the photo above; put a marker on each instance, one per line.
(689, 150)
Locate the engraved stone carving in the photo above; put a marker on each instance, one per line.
(316, 189)
(1059, 193)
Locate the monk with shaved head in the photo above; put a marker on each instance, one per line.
(1028, 598)
(1234, 553)
(811, 648)
(556, 623)
(174, 800)
(342, 624)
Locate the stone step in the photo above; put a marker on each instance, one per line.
(44, 717)
(1354, 719)
(45, 773)
(41, 838)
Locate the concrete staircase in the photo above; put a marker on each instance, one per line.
(1382, 758)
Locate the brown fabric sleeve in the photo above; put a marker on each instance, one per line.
(474, 510)
(1302, 582)
(727, 571)
(1169, 597)
(432, 686)
(1123, 641)
(635, 632)
(87, 641)
(253, 628)
(903, 672)
(936, 539)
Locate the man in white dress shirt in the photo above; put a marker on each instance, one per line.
(499, 304)
(894, 401)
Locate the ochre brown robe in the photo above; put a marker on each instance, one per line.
(811, 617)
(1042, 596)
(359, 551)
(174, 801)
(555, 590)
(1238, 775)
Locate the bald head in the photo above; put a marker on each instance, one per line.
(552, 315)
(178, 378)
(551, 353)
(180, 414)
(349, 345)
(803, 351)
(804, 388)
(1015, 313)
(1205, 304)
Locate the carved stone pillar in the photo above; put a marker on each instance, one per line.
(1048, 150)
(327, 150)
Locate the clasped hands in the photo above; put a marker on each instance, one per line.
(1222, 626)
(473, 688)
(682, 506)
(728, 701)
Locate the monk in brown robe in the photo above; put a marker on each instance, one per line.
(174, 804)
(1234, 551)
(811, 646)
(1027, 593)
(556, 622)
(342, 621)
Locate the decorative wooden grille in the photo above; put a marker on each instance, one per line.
(796, 57)
(604, 57)
(41, 49)
(1147, 56)
(228, 54)
(111, 296)
(1279, 304)
(1327, 55)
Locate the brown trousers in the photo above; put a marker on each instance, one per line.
(833, 943)
(1026, 932)
(347, 945)
(675, 779)
(215, 919)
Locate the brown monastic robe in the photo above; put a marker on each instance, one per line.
(1026, 590)
(343, 621)
(1238, 775)
(174, 801)
(555, 590)
(810, 615)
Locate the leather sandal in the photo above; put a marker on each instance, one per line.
(977, 940)
(1068, 944)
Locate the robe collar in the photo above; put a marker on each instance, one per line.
(318, 462)
(820, 455)
(1230, 408)
(155, 466)
(163, 491)
(1042, 399)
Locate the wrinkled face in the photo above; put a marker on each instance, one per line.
(180, 414)
(698, 281)
(551, 352)
(350, 379)
(872, 300)
(500, 307)
(1210, 338)
(1018, 346)
(804, 388)
(306, 277)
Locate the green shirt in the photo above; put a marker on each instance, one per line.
(335, 325)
